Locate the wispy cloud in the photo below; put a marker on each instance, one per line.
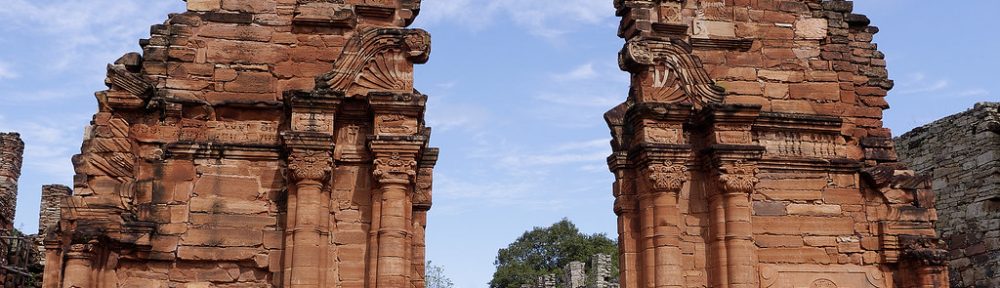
(48, 143)
(974, 92)
(544, 18)
(582, 72)
(6, 72)
(83, 27)
(919, 82)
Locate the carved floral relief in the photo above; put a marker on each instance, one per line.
(395, 168)
(667, 177)
(310, 165)
(738, 177)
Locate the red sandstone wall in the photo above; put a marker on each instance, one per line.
(190, 171)
(751, 152)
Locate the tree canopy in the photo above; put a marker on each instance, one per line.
(548, 250)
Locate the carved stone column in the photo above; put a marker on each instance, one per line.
(53, 256)
(309, 145)
(422, 202)
(395, 173)
(310, 169)
(79, 266)
(737, 181)
(665, 181)
(628, 220)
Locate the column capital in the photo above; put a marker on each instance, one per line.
(738, 177)
(312, 165)
(81, 251)
(666, 176)
(395, 168)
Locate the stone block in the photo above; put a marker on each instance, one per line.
(811, 28)
(204, 5)
(815, 91)
(814, 209)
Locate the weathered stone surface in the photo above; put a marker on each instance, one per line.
(210, 161)
(11, 157)
(962, 154)
(794, 182)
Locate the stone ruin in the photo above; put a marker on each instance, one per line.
(280, 143)
(11, 156)
(49, 213)
(962, 153)
(255, 143)
(750, 152)
(575, 275)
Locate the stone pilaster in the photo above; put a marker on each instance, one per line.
(665, 181)
(310, 146)
(733, 157)
(310, 168)
(395, 170)
(79, 266)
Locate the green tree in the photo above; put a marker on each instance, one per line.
(435, 277)
(547, 250)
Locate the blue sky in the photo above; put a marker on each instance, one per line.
(517, 91)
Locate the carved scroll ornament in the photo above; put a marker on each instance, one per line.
(738, 177)
(310, 165)
(371, 61)
(667, 177)
(698, 87)
(395, 169)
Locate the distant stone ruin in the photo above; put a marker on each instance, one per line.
(11, 157)
(576, 275)
(962, 153)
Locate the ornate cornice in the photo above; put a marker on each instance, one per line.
(395, 169)
(666, 176)
(310, 164)
(738, 177)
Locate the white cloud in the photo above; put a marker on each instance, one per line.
(545, 18)
(48, 143)
(538, 160)
(80, 28)
(582, 72)
(581, 98)
(919, 82)
(974, 92)
(6, 72)
(925, 87)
